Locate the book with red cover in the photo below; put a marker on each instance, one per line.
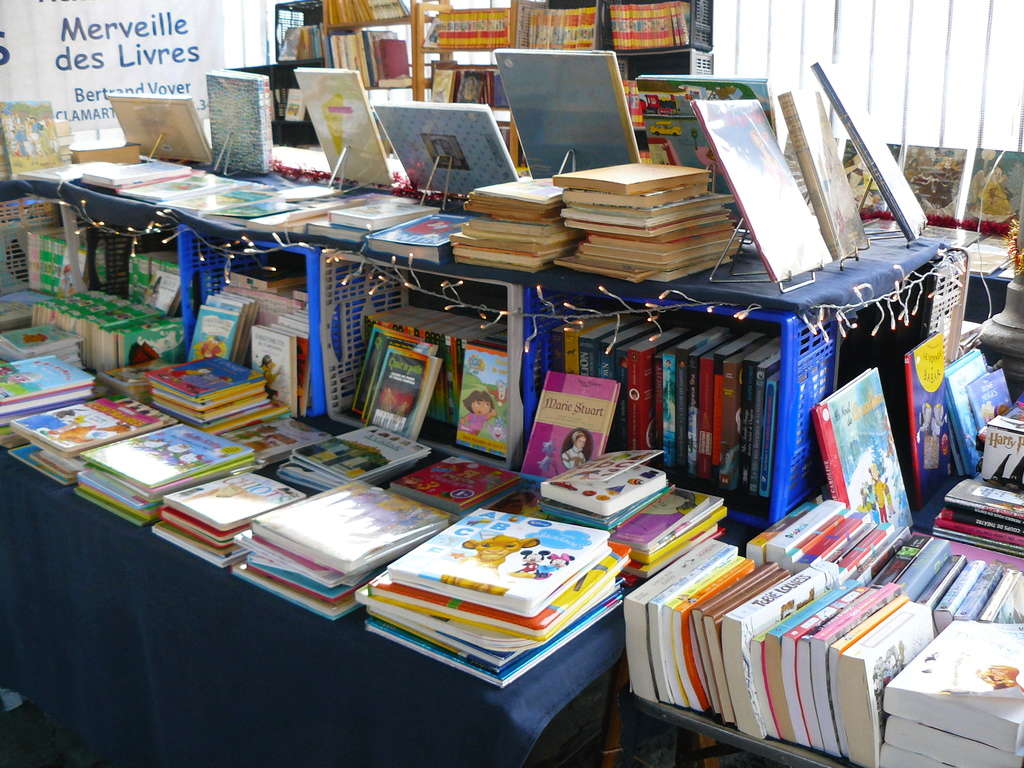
(720, 355)
(993, 534)
(455, 484)
(930, 448)
(643, 431)
(394, 59)
(705, 412)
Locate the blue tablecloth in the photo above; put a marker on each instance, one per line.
(832, 286)
(159, 659)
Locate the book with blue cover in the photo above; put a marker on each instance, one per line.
(427, 238)
(24, 380)
(458, 144)
(989, 397)
(924, 369)
(959, 374)
(203, 378)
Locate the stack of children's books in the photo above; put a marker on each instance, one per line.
(214, 394)
(317, 552)
(60, 435)
(365, 215)
(667, 528)
(40, 384)
(130, 478)
(522, 229)
(129, 381)
(39, 341)
(370, 455)
(604, 492)
(958, 703)
(275, 440)
(496, 594)
(205, 520)
(645, 222)
(223, 326)
(456, 485)
(115, 332)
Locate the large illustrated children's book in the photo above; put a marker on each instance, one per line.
(931, 451)
(857, 447)
(72, 429)
(231, 501)
(276, 439)
(28, 135)
(215, 332)
(203, 378)
(26, 379)
(572, 423)
(455, 484)
(484, 400)
(959, 374)
(495, 559)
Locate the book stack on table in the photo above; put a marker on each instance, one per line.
(455, 484)
(985, 515)
(495, 594)
(130, 478)
(273, 441)
(40, 341)
(317, 552)
(522, 228)
(645, 222)
(38, 385)
(214, 395)
(364, 215)
(59, 436)
(370, 455)
(958, 703)
(205, 520)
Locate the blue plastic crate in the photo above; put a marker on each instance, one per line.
(203, 274)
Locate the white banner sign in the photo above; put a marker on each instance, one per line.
(74, 52)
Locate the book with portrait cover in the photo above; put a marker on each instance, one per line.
(930, 450)
(859, 453)
(572, 423)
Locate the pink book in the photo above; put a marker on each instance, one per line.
(572, 423)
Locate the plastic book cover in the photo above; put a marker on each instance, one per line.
(355, 453)
(484, 400)
(21, 379)
(29, 135)
(673, 511)
(461, 141)
(241, 110)
(214, 334)
(431, 231)
(592, 117)
(277, 437)
(231, 501)
(515, 562)
(989, 397)
(166, 455)
(749, 157)
(931, 451)
(858, 450)
(342, 118)
(190, 186)
(935, 174)
(996, 185)
(399, 388)
(201, 378)
(207, 202)
(959, 374)
(77, 427)
(571, 424)
(257, 209)
(462, 481)
(349, 525)
(27, 341)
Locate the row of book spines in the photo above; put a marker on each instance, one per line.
(360, 11)
(635, 102)
(363, 52)
(444, 404)
(563, 29)
(658, 25)
(485, 28)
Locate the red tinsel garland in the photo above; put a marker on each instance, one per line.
(400, 184)
(998, 228)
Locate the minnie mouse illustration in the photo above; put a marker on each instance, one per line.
(555, 563)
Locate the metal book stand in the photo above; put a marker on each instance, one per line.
(336, 172)
(447, 180)
(752, 276)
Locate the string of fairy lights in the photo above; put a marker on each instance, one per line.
(897, 305)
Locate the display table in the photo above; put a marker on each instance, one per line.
(158, 659)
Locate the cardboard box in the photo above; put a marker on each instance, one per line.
(1003, 460)
(129, 153)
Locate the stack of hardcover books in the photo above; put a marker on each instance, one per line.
(645, 222)
(667, 528)
(40, 341)
(455, 484)
(205, 520)
(40, 384)
(317, 552)
(522, 228)
(370, 455)
(275, 440)
(984, 514)
(130, 478)
(60, 435)
(958, 702)
(497, 593)
(788, 655)
(366, 215)
(604, 492)
(214, 395)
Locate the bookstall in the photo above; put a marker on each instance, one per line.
(309, 450)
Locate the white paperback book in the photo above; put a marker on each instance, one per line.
(946, 747)
(758, 615)
(641, 676)
(965, 683)
(776, 550)
(863, 671)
